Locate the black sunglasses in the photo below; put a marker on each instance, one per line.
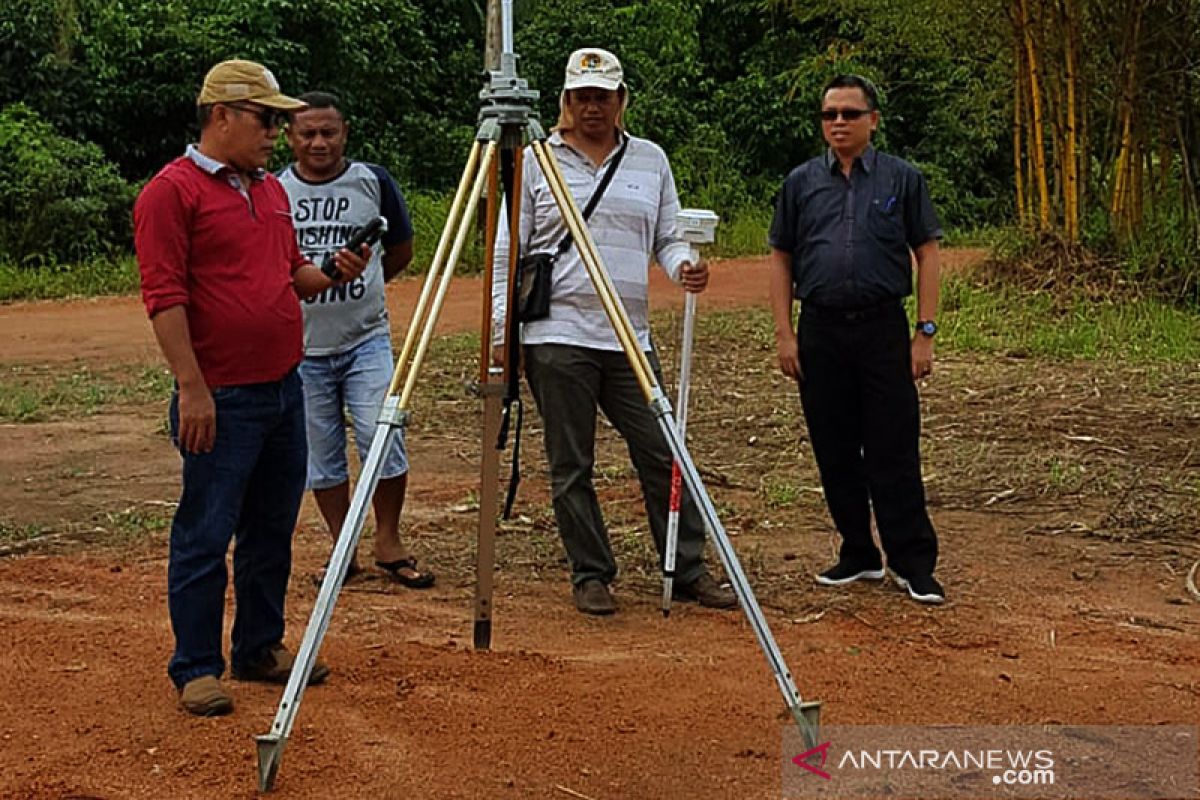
(267, 117)
(848, 114)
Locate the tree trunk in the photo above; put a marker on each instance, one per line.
(1082, 119)
(1189, 178)
(1055, 111)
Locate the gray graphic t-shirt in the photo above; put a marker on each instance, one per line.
(325, 216)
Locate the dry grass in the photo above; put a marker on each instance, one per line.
(1076, 448)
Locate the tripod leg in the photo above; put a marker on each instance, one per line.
(489, 479)
(587, 252)
(420, 313)
(806, 715)
(447, 273)
(392, 418)
(270, 746)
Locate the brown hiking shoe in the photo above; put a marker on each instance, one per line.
(275, 666)
(707, 592)
(205, 697)
(593, 597)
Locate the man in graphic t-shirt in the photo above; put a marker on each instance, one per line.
(347, 348)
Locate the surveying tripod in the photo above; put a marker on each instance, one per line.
(506, 120)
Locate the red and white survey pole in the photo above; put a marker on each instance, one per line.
(695, 226)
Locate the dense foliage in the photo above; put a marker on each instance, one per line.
(728, 87)
(60, 200)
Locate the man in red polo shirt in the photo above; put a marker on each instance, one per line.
(221, 281)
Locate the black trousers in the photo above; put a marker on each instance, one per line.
(864, 421)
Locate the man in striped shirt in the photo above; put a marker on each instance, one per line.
(573, 360)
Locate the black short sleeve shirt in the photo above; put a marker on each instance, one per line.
(851, 238)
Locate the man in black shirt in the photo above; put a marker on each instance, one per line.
(846, 226)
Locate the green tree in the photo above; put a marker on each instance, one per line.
(60, 200)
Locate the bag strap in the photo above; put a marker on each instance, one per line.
(594, 200)
(512, 396)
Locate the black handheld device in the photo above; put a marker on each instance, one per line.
(367, 234)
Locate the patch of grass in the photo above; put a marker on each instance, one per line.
(455, 346)
(35, 394)
(611, 472)
(13, 532)
(998, 319)
(971, 237)
(1065, 476)
(428, 212)
(50, 282)
(779, 493)
(742, 233)
(135, 523)
(470, 502)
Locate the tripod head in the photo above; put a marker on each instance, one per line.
(506, 101)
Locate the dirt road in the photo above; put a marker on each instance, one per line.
(115, 329)
(1046, 624)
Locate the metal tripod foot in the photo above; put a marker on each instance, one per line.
(808, 720)
(270, 752)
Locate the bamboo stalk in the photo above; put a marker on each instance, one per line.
(1018, 95)
(1070, 145)
(1125, 208)
(1038, 140)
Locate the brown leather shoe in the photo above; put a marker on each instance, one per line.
(707, 592)
(593, 597)
(205, 697)
(275, 666)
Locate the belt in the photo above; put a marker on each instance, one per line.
(833, 314)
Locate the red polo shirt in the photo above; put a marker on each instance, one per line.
(229, 259)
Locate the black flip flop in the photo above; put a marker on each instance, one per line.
(352, 572)
(423, 580)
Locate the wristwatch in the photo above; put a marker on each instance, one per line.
(927, 327)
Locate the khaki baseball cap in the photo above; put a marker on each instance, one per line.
(592, 66)
(231, 81)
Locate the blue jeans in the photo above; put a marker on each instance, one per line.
(248, 488)
(355, 381)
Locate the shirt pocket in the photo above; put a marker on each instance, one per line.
(885, 222)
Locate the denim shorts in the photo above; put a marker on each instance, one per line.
(351, 384)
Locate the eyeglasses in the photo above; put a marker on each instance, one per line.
(848, 114)
(267, 117)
